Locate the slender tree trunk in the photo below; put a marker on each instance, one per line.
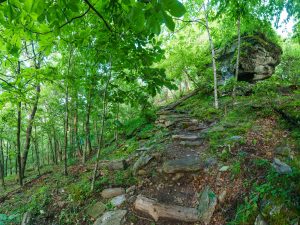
(7, 159)
(213, 58)
(237, 56)
(36, 148)
(18, 165)
(88, 144)
(66, 132)
(117, 128)
(29, 131)
(77, 142)
(102, 128)
(2, 170)
(56, 147)
(67, 115)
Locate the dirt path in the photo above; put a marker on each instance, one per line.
(182, 153)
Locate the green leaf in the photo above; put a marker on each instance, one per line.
(174, 7)
(28, 5)
(169, 22)
(73, 6)
(137, 18)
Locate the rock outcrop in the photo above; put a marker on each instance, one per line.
(258, 59)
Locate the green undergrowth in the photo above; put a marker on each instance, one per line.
(276, 198)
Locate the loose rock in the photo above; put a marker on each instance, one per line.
(112, 192)
(118, 200)
(260, 221)
(112, 164)
(96, 210)
(207, 205)
(116, 217)
(141, 162)
(26, 220)
(281, 167)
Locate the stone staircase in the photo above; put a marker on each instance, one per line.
(165, 192)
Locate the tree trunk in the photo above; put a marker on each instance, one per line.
(18, 165)
(66, 131)
(213, 58)
(29, 131)
(2, 169)
(117, 124)
(102, 128)
(88, 145)
(237, 56)
(36, 148)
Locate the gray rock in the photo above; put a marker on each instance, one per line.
(260, 220)
(210, 162)
(112, 192)
(191, 143)
(235, 138)
(116, 217)
(207, 204)
(96, 210)
(112, 164)
(224, 168)
(131, 189)
(185, 137)
(26, 220)
(281, 167)
(284, 151)
(188, 164)
(259, 57)
(118, 200)
(141, 162)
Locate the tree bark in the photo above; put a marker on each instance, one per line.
(36, 148)
(213, 58)
(88, 145)
(237, 56)
(66, 131)
(18, 164)
(2, 169)
(162, 211)
(29, 131)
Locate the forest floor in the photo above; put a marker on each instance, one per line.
(188, 149)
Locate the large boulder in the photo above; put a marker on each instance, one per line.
(258, 58)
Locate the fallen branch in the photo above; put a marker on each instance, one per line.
(173, 105)
(157, 210)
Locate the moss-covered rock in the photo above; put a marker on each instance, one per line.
(258, 58)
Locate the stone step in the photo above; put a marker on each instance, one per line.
(185, 137)
(195, 143)
(188, 164)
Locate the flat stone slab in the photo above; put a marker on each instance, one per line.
(188, 164)
(191, 143)
(96, 210)
(112, 192)
(118, 200)
(116, 217)
(185, 137)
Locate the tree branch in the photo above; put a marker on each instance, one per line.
(61, 26)
(191, 21)
(98, 14)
